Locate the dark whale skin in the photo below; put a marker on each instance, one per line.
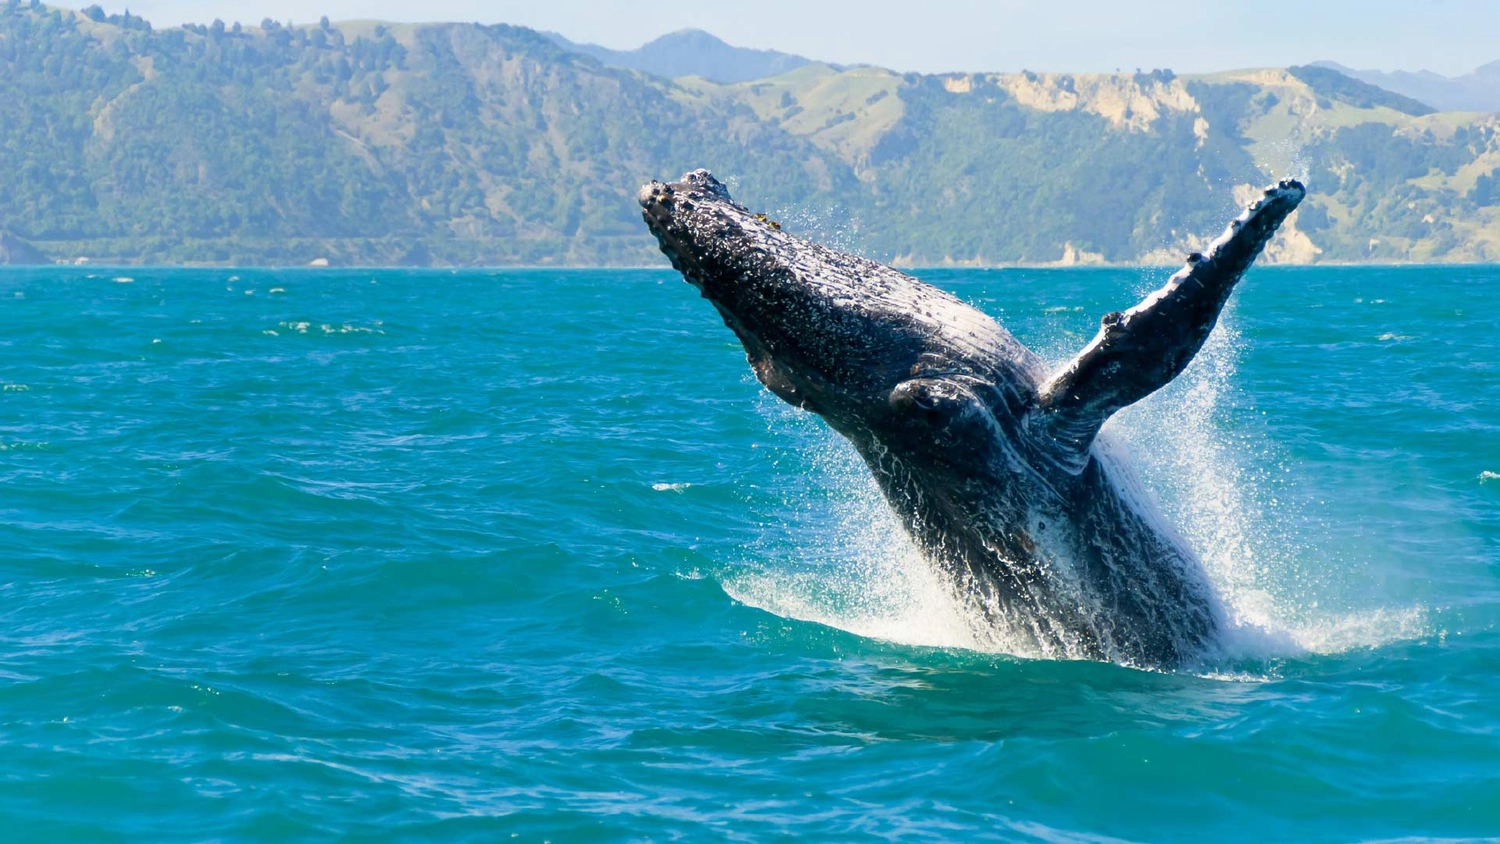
(993, 463)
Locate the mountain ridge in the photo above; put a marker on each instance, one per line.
(460, 144)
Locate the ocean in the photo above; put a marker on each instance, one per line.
(529, 555)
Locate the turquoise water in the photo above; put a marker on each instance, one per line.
(468, 556)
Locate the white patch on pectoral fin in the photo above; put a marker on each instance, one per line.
(1141, 350)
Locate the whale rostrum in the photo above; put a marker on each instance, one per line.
(992, 462)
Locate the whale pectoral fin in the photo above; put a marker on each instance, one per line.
(1139, 351)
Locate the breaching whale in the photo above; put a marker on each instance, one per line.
(990, 460)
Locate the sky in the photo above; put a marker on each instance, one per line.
(1188, 36)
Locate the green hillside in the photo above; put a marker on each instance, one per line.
(365, 143)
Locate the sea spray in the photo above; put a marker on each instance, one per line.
(1232, 494)
(837, 555)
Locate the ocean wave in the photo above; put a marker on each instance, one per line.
(306, 327)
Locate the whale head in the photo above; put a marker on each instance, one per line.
(884, 358)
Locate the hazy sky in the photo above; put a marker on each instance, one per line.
(1449, 36)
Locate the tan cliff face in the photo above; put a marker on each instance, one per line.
(1132, 103)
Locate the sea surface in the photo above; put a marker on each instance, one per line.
(528, 555)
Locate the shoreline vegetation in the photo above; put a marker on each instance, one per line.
(460, 145)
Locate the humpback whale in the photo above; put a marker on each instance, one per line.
(993, 463)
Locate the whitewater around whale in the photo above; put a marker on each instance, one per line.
(992, 463)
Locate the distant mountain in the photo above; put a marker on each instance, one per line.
(1478, 90)
(692, 52)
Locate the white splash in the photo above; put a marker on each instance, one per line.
(304, 327)
(831, 227)
(1231, 497)
(844, 560)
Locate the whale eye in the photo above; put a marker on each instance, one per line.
(943, 418)
(931, 401)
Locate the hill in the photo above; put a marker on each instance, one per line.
(457, 144)
(363, 144)
(691, 52)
